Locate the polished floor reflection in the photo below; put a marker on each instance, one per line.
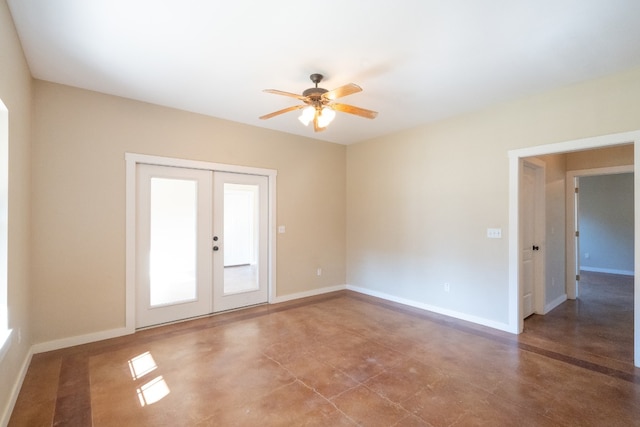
(343, 359)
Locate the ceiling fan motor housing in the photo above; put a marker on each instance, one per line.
(315, 92)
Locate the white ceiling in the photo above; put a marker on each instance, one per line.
(417, 60)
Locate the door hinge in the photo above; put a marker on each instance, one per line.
(577, 277)
(577, 190)
(577, 233)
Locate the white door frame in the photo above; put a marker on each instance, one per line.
(572, 256)
(132, 160)
(515, 323)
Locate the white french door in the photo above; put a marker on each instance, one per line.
(172, 236)
(240, 224)
(201, 242)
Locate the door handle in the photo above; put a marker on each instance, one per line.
(535, 248)
(215, 248)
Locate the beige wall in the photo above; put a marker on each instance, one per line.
(419, 202)
(15, 93)
(600, 158)
(80, 140)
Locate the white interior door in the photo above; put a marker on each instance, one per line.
(173, 254)
(527, 241)
(241, 237)
(531, 238)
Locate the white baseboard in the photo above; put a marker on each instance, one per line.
(451, 313)
(81, 339)
(114, 333)
(553, 304)
(15, 390)
(608, 270)
(306, 294)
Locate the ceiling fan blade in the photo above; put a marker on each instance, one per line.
(280, 92)
(342, 91)
(354, 110)
(284, 110)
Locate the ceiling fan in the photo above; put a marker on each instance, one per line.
(319, 106)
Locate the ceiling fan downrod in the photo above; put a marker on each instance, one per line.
(316, 78)
(315, 92)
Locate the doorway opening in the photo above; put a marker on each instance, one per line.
(599, 224)
(591, 313)
(516, 321)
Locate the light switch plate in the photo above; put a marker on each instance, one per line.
(494, 233)
(281, 229)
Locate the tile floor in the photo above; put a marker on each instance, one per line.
(345, 359)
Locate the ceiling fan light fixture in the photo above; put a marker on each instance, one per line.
(307, 115)
(318, 106)
(326, 116)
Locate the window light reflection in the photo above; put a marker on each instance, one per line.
(153, 391)
(142, 365)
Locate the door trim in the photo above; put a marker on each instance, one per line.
(515, 323)
(131, 162)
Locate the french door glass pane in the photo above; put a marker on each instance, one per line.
(172, 257)
(241, 238)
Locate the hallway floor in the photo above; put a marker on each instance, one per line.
(597, 327)
(348, 359)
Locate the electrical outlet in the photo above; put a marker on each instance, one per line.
(319, 272)
(447, 288)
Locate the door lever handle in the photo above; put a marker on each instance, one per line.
(215, 248)
(535, 248)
